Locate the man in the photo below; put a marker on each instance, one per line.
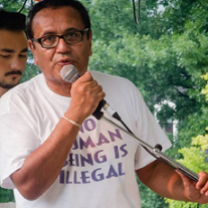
(13, 53)
(57, 154)
(13, 49)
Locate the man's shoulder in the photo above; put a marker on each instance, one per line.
(109, 78)
(23, 89)
(120, 86)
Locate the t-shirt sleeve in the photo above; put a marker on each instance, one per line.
(17, 141)
(148, 130)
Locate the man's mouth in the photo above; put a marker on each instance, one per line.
(13, 73)
(65, 61)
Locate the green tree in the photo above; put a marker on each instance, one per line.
(195, 157)
(165, 64)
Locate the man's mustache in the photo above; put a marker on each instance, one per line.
(13, 72)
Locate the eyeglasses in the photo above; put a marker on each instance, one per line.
(71, 37)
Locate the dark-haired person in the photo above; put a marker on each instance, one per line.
(57, 154)
(13, 53)
(13, 49)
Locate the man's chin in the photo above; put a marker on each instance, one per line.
(8, 86)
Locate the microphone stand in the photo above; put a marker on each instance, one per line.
(154, 151)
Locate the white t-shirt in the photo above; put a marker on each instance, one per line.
(99, 171)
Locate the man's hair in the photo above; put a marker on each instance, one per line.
(12, 21)
(55, 4)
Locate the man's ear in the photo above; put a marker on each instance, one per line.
(33, 49)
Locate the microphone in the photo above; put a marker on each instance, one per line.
(70, 74)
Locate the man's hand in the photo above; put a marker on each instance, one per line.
(86, 94)
(175, 185)
(196, 192)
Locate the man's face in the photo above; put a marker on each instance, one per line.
(13, 56)
(58, 22)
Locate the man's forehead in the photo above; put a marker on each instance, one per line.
(8, 34)
(11, 41)
(47, 18)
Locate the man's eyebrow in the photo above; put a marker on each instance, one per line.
(71, 28)
(25, 50)
(48, 33)
(54, 33)
(7, 50)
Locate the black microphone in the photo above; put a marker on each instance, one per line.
(70, 74)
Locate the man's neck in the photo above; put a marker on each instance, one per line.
(63, 89)
(2, 91)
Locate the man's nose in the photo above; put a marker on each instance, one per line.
(17, 64)
(62, 46)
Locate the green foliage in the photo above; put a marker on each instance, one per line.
(30, 71)
(6, 195)
(164, 65)
(176, 204)
(195, 159)
(12, 5)
(205, 90)
(164, 55)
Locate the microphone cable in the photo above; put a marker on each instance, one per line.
(23, 6)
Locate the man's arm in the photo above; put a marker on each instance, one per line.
(165, 181)
(42, 167)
